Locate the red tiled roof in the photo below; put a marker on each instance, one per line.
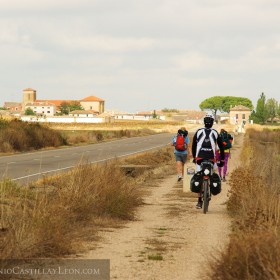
(29, 89)
(92, 98)
(240, 108)
(55, 102)
(58, 102)
(43, 103)
(11, 104)
(84, 112)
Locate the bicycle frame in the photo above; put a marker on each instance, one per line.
(207, 170)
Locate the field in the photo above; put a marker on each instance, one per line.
(18, 136)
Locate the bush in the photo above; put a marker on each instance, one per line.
(20, 136)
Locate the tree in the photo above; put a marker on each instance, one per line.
(271, 107)
(166, 110)
(260, 115)
(67, 107)
(231, 101)
(29, 112)
(224, 103)
(213, 104)
(155, 115)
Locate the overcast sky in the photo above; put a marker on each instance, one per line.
(140, 54)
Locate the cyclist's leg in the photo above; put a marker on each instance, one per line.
(199, 198)
(219, 168)
(225, 164)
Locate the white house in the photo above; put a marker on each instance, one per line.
(42, 108)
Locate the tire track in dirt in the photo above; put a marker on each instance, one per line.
(168, 226)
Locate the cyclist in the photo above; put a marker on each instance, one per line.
(224, 135)
(204, 145)
(181, 153)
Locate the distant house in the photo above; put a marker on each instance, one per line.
(132, 117)
(189, 116)
(93, 103)
(41, 108)
(223, 118)
(13, 106)
(83, 113)
(239, 115)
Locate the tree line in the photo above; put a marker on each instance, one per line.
(266, 110)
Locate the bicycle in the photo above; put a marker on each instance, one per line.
(207, 168)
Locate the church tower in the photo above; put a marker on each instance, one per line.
(29, 96)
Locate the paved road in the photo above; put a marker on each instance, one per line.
(26, 167)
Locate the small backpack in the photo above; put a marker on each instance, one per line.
(226, 139)
(180, 144)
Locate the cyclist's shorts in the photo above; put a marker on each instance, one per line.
(181, 157)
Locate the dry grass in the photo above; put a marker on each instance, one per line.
(254, 203)
(55, 216)
(18, 136)
(84, 136)
(156, 125)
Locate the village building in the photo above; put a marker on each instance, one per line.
(13, 106)
(189, 116)
(41, 108)
(93, 103)
(30, 100)
(83, 113)
(239, 115)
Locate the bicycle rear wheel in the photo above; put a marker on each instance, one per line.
(205, 196)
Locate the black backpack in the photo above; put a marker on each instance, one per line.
(196, 182)
(226, 139)
(215, 184)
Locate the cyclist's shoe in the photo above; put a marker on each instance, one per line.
(199, 205)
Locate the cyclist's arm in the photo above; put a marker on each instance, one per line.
(194, 145)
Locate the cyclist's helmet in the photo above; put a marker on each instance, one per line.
(208, 120)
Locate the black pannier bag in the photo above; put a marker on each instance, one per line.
(215, 184)
(196, 182)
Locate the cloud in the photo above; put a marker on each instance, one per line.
(149, 49)
(105, 43)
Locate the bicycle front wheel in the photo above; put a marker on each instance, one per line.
(205, 196)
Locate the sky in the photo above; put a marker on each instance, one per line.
(140, 55)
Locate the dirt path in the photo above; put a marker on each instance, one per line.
(169, 227)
